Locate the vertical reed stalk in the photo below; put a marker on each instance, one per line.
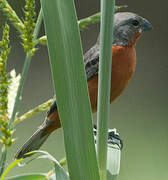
(105, 64)
(19, 92)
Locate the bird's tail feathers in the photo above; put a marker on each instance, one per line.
(33, 143)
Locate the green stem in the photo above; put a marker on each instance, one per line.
(105, 64)
(19, 92)
(25, 69)
(23, 76)
(12, 16)
(39, 108)
(3, 159)
(38, 24)
(83, 23)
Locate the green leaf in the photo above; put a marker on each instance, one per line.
(14, 163)
(66, 59)
(28, 177)
(60, 173)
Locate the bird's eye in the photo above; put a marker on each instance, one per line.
(135, 23)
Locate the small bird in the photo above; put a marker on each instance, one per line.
(128, 27)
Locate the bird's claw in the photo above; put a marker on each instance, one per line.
(113, 137)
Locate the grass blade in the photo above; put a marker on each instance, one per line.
(28, 177)
(106, 36)
(14, 163)
(60, 173)
(68, 72)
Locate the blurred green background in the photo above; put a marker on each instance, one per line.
(140, 114)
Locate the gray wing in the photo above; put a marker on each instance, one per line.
(91, 60)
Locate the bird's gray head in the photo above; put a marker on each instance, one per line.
(127, 25)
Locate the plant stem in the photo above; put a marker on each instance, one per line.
(105, 64)
(11, 15)
(39, 108)
(3, 159)
(38, 24)
(25, 69)
(85, 22)
(23, 76)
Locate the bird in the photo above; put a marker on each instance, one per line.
(128, 27)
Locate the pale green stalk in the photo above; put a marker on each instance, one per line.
(23, 76)
(6, 139)
(25, 69)
(38, 24)
(105, 64)
(40, 108)
(85, 22)
(3, 159)
(24, 72)
(12, 16)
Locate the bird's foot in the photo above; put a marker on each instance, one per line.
(113, 137)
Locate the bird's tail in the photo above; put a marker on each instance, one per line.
(33, 143)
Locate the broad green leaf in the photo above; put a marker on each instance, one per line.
(66, 59)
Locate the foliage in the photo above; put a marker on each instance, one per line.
(11, 86)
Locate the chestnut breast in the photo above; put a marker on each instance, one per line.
(123, 66)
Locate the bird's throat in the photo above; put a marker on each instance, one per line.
(135, 38)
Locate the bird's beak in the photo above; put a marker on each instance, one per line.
(146, 26)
